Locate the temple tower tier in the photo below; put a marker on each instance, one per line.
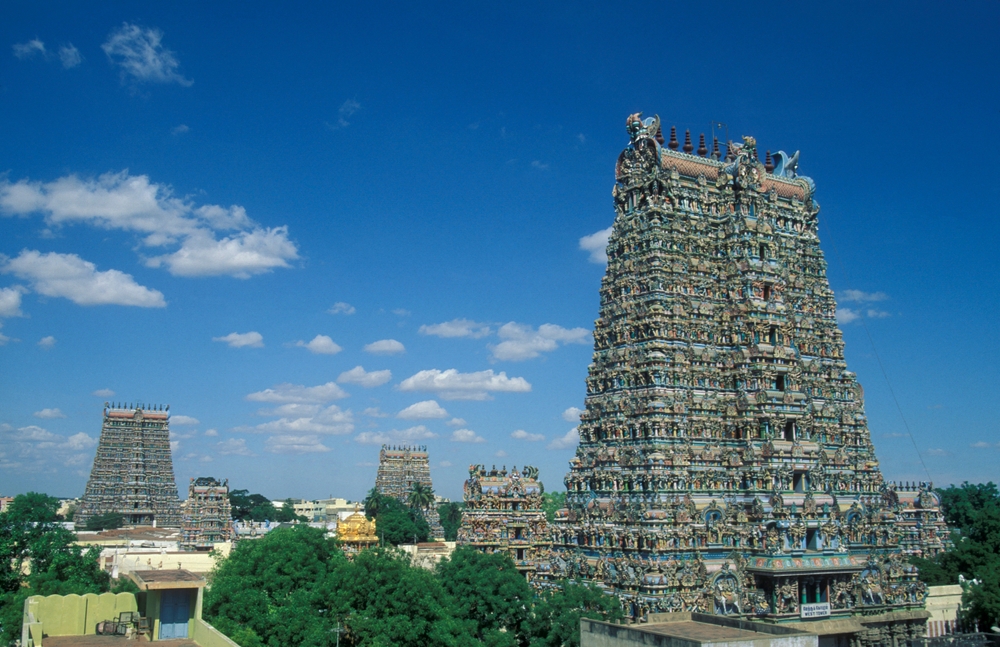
(725, 463)
(207, 515)
(133, 473)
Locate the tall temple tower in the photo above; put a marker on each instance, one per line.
(725, 463)
(399, 468)
(133, 474)
(207, 514)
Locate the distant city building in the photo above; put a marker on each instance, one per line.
(399, 468)
(133, 473)
(4, 502)
(725, 463)
(311, 510)
(207, 515)
(503, 514)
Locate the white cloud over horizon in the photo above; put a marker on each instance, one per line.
(48, 414)
(69, 276)
(456, 328)
(572, 414)
(120, 201)
(570, 440)
(596, 244)
(521, 342)
(466, 436)
(342, 308)
(426, 410)
(368, 379)
(10, 302)
(320, 345)
(252, 339)
(297, 393)
(521, 434)
(142, 57)
(412, 434)
(385, 347)
(183, 420)
(295, 444)
(452, 385)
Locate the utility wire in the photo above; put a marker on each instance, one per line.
(888, 383)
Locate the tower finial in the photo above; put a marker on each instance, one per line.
(673, 144)
(768, 163)
(702, 150)
(688, 146)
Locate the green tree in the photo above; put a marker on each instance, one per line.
(552, 501)
(451, 518)
(489, 591)
(257, 507)
(397, 524)
(372, 503)
(107, 521)
(556, 618)
(421, 496)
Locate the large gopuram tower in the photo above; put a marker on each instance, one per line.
(399, 469)
(133, 474)
(725, 464)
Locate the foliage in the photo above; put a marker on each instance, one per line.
(395, 523)
(973, 512)
(552, 501)
(420, 497)
(107, 521)
(40, 558)
(451, 519)
(257, 507)
(556, 618)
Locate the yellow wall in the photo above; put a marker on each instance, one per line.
(76, 615)
(208, 636)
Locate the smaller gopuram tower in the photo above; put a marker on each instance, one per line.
(503, 513)
(207, 514)
(133, 474)
(399, 469)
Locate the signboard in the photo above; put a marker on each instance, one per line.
(815, 610)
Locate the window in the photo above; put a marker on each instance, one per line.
(762, 252)
(772, 335)
(812, 541)
(800, 481)
(780, 382)
(767, 292)
(790, 430)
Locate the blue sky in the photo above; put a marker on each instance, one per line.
(231, 208)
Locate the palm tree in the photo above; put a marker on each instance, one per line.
(373, 502)
(421, 496)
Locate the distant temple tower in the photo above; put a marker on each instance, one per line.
(399, 468)
(725, 463)
(207, 515)
(133, 474)
(503, 514)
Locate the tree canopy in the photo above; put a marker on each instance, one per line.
(256, 507)
(396, 523)
(451, 518)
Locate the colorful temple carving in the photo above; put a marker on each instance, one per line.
(503, 513)
(133, 474)
(725, 463)
(206, 515)
(399, 468)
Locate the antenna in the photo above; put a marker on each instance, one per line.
(721, 127)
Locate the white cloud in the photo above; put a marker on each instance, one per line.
(69, 56)
(33, 447)
(983, 445)
(299, 393)
(103, 393)
(412, 434)
(241, 255)
(47, 342)
(538, 164)
(331, 420)
(368, 379)
(293, 410)
(938, 452)
(233, 447)
(133, 203)
(456, 422)
(597, 245)
(846, 315)
(452, 385)
(321, 345)
(253, 339)
(521, 342)
(572, 414)
(141, 55)
(3, 338)
(877, 314)
(385, 347)
(466, 436)
(444, 464)
(346, 110)
(568, 441)
(29, 49)
(211, 433)
(374, 412)
(174, 446)
(500, 453)
(290, 444)
(71, 277)
(521, 434)
(457, 328)
(79, 441)
(860, 296)
(401, 312)
(180, 129)
(47, 414)
(182, 420)
(342, 308)
(425, 410)
(10, 302)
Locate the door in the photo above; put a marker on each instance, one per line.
(175, 607)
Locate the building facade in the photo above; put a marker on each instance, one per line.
(133, 472)
(399, 469)
(503, 513)
(206, 515)
(725, 463)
